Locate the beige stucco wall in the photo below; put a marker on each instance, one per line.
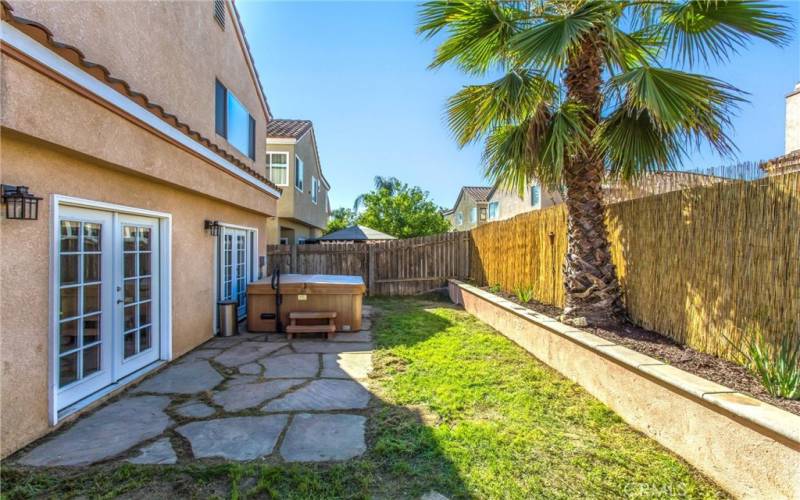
(793, 120)
(24, 268)
(59, 141)
(170, 51)
(295, 208)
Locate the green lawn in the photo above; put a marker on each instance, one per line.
(462, 411)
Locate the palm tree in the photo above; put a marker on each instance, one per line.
(586, 96)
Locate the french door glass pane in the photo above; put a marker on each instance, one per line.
(80, 300)
(137, 266)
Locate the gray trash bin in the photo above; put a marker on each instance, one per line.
(228, 322)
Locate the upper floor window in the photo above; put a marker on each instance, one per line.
(219, 12)
(278, 168)
(494, 210)
(298, 173)
(233, 122)
(459, 218)
(536, 195)
(473, 215)
(314, 189)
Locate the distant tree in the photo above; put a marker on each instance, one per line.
(340, 219)
(400, 210)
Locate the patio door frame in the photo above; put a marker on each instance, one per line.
(251, 268)
(164, 285)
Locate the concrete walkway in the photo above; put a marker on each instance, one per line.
(240, 398)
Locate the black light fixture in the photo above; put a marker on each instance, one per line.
(212, 227)
(20, 204)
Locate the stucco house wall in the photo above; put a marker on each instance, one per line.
(511, 203)
(170, 51)
(464, 206)
(60, 139)
(792, 132)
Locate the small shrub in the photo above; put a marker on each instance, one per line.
(524, 293)
(778, 368)
(495, 288)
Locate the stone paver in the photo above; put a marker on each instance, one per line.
(242, 396)
(159, 452)
(321, 438)
(247, 352)
(323, 395)
(367, 312)
(222, 342)
(242, 379)
(360, 336)
(352, 365)
(250, 369)
(366, 324)
(236, 438)
(183, 378)
(433, 495)
(326, 347)
(195, 409)
(200, 354)
(291, 366)
(105, 433)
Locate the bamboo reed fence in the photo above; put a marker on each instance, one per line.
(701, 265)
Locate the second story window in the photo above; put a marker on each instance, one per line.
(459, 218)
(278, 168)
(536, 195)
(219, 12)
(233, 122)
(473, 215)
(494, 210)
(298, 173)
(314, 189)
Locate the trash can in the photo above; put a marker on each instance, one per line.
(228, 322)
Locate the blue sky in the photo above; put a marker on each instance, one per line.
(359, 72)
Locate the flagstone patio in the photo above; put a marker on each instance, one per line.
(248, 397)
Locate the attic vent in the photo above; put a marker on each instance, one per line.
(219, 12)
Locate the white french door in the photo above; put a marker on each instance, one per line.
(235, 264)
(107, 300)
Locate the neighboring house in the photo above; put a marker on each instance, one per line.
(293, 164)
(790, 160)
(504, 204)
(477, 205)
(355, 234)
(135, 125)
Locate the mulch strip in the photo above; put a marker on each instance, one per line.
(669, 351)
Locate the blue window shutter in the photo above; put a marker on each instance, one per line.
(220, 114)
(252, 147)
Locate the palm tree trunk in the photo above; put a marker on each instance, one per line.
(590, 279)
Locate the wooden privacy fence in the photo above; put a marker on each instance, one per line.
(396, 267)
(700, 265)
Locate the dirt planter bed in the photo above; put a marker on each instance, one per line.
(750, 448)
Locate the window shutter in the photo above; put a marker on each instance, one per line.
(219, 13)
(251, 150)
(220, 109)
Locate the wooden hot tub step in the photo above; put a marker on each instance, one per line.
(329, 328)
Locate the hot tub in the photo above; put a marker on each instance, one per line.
(306, 293)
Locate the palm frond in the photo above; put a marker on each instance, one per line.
(633, 145)
(550, 42)
(713, 30)
(478, 31)
(536, 148)
(475, 109)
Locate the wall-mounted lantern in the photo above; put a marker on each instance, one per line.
(20, 204)
(212, 226)
(483, 214)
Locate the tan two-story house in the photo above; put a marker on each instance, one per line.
(134, 195)
(293, 164)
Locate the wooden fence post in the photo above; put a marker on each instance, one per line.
(293, 260)
(371, 269)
